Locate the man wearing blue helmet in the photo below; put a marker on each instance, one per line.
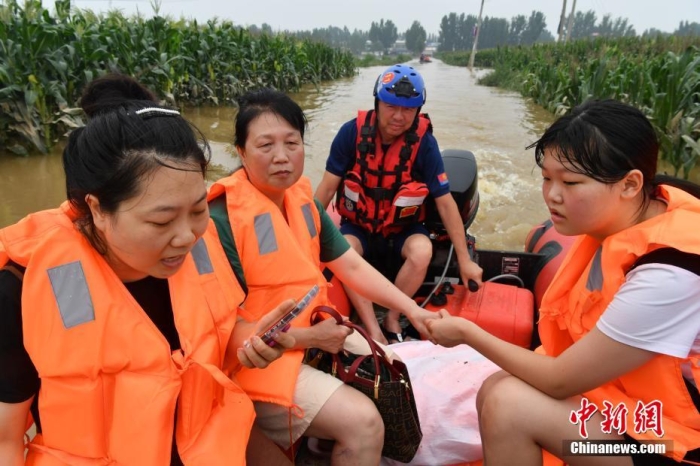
(383, 165)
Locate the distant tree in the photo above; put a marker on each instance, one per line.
(457, 32)
(516, 29)
(448, 33)
(266, 29)
(622, 28)
(358, 41)
(617, 28)
(415, 38)
(584, 25)
(494, 32)
(535, 25)
(546, 36)
(653, 32)
(335, 37)
(466, 26)
(686, 28)
(605, 28)
(383, 33)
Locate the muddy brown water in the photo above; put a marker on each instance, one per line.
(496, 125)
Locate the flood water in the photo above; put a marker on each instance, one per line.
(494, 124)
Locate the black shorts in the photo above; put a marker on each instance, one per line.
(384, 253)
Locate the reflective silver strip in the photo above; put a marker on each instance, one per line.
(595, 275)
(309, 217)
(72, 294)
(200, 254)
(267, 242)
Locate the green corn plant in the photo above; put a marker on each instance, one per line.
(661, 76)
(46, 60)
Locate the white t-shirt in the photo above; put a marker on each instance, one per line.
(657, 309)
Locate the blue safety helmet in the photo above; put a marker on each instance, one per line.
(400, 85)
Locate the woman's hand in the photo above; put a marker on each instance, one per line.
(447, 330)
(418, 318)
(329, 336)
(256, 353)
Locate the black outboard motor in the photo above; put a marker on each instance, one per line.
(461, 170)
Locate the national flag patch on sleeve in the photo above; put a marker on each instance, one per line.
(442, 179)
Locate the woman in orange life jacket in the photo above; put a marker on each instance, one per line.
(620, 322)
(118, 308)
(276, 235)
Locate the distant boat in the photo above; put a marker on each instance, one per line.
(425, 58)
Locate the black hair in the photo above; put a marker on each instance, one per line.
(127, 137)
(266, 100)
(604, 140)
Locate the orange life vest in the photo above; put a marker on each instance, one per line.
(109, 383)
(586, 283)
(379, 193)
(281, 260)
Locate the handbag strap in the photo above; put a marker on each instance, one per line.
(316, 315)
(377, 352)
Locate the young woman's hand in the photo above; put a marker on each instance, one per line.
(447, 330)
(256, 353)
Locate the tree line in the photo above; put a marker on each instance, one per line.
(380, 37)
(457, 32)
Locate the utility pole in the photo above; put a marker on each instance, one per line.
(562, 19)
(476, 37)
(570, 26)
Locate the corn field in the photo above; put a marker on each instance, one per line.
(45, 61)
(660, 76)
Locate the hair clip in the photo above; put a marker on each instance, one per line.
(156, 111)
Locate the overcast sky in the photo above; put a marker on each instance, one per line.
(359, 14)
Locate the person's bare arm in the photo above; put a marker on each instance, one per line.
(327, 188)
(589, 363)
(452, 220)
(13, 420)
(359, 275)
(326, 335)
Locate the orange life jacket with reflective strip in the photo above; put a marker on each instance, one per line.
(109, 383)
(281, 260)
(586, 283)
(379, 193)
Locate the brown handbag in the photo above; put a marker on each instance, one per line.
(386, 383)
